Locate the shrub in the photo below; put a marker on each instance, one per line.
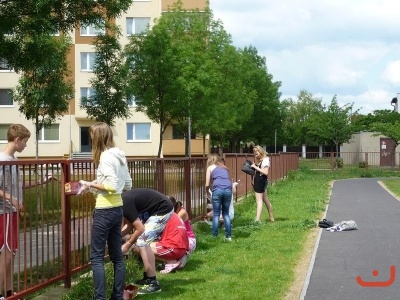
(338, 163)
(362, 164)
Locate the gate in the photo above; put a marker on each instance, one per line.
(386, 152)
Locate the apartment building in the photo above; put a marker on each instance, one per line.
(69, 136)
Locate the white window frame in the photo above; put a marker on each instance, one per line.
(132, 127)
(131, 25)
(4, 128)
(92, 30)
(42, 134)
(87, 61)
(12, 101)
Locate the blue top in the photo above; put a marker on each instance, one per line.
(220, 178)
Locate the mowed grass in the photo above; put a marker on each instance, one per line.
(393, 184)
(261, 260)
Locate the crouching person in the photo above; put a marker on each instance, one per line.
(183, 214)
(173, 244)
(153, 210)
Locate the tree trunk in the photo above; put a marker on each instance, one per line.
(161, 142)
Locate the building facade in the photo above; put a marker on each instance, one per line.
(69, 136)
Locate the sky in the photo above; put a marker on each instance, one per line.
(350, 48)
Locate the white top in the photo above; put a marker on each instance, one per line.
(265, 163)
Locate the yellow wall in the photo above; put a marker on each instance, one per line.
(187, 4)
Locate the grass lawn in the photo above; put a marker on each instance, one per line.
(261, 260)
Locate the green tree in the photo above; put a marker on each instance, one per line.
(173, 70)
(152, 70)
(22, 20)
(333, 125)
(265, 118)
(109, 83)
(365, 122)
(297, 119)
(43, 92)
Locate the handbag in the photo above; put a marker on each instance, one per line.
(325, 223)
(247, 167)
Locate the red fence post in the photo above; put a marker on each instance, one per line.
(66, 224)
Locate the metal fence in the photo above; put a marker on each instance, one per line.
(329, 160)
(54, 239)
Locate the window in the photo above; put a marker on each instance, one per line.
(87, 61)
(131, 101)
(87, 92)
(4, 65)
(138, 131)
(93, 30)
(5, 98)
(51, 133)
(136, 25)
(3, 132)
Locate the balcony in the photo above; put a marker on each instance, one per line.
(175, 147)
(187, 4)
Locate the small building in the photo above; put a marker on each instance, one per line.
(374, 150)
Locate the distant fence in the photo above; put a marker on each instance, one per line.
(54, 241)
(326, 160)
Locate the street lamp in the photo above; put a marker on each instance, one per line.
(395, 103)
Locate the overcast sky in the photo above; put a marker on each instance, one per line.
(328, 47)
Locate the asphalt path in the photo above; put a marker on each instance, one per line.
(361, 264)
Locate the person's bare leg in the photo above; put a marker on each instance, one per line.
(149, 261)
(2, 270)
(5, 270)
(269, 207)
(259, 202)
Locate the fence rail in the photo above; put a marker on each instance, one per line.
(326, 160)
(54, 239)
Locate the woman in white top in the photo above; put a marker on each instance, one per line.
(112, 178)
(260, 181)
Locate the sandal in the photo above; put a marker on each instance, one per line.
(170, 267)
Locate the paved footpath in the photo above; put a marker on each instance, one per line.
(371, 252)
